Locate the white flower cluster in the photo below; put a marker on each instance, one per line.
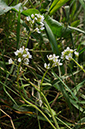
(68, 53)
(36, 22)
(23, 55)
(54, 61)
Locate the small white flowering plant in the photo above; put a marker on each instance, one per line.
(68, 54)
(53, 61)
(23, 56)
(35, 22)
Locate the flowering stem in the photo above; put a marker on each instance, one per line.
(18, 71)
(79, 65)
(43, 77)
(28, 38)
(39, 111)
(50, 110)
(54, 119)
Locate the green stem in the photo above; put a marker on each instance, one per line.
(18, 70)
(79, 65)
(28, 38)
(39, 111)
(55, 121)
(43, 77)
(59, 71)
(63, 122)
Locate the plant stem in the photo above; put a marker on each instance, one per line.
(59, 71)
(28, 38)
(39, 111)
(79, 65)
(55, 121)
(44, 76)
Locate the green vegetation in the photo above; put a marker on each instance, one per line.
(42, 64)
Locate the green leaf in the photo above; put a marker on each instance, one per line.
(77, 106)
(76, 89)
(52, 39)
(53, 4)
(57, 28)
(75, 23)
(28, 12)
(65, 94)
(5, 8)
(67, 88)
(82, 3)
(4, 87)
(56, 5)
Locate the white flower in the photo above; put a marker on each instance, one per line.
(33, 21)
(10, 61)
(28, 55)
(28, 18)
(19, 59)
(50, 57)
(26, 49)
(41, 18)
(36, 22)
(76, 54)
(32, 16)
(26, 61)
(35, 18)
(42, 24)
(67, 54)
(21, 50)
(24, 55)
(54, 61)
(47, 66)
(37, 30)
(37, 15)
(16, 53)
(42, 28)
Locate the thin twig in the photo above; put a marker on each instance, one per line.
(55, 100)
(9, 117)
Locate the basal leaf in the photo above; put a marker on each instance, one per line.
(58, 29)
(28, 12)
(5, 8)
(52, 39)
